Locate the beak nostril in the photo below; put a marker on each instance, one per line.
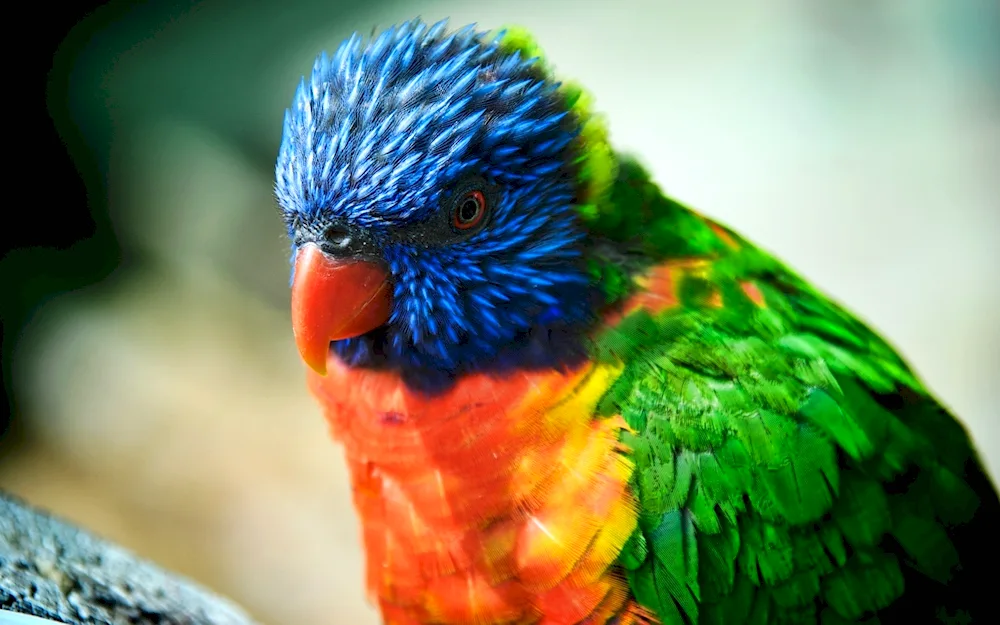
(338, 237)
(343, 240)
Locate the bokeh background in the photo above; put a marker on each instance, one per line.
(157, 396)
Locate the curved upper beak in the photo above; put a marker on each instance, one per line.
(334, 299)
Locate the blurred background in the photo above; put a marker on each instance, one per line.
(156, 394)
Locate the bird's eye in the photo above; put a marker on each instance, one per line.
(469, 211)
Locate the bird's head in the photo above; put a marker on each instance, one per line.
(432, 184)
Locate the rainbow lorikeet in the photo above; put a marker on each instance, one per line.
(567, 398)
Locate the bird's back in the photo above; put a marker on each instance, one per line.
(790, 466)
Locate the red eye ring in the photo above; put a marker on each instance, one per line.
(470, 211)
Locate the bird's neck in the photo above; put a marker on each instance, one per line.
(636, 228)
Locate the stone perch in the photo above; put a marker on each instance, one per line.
(53, 570)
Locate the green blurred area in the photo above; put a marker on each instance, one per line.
(214, 65)
(147, 340)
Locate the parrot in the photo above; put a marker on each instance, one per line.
(564, 397)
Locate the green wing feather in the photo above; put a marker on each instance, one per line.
(790, 467)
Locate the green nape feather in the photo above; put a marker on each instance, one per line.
(790, 467)
(597, 166)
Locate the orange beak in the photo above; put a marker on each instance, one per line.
(334, 299)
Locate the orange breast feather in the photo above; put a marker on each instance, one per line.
(500, 501)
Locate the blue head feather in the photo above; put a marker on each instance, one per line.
(383, 135)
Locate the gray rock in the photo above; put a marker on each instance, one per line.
(54, 570)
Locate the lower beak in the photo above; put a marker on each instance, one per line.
(334, 299)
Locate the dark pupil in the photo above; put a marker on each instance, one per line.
(469, 209)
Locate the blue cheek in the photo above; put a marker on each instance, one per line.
(552, 314)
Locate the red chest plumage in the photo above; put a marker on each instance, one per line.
(503, 500)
